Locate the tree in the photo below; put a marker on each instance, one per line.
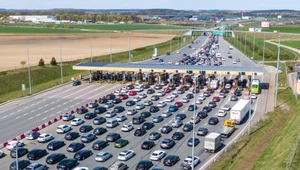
(23, 63)
(53, 62)
(41, 62)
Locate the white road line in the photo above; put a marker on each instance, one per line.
(46, 105)
(30, 118)
(170, 121)
(32, 105)
(59, 111)
(58, 105)
(4, 117)
(52, 108)
(66, 109)
(72, 106)
(38, 114)
(38, 102)
(32, 111)
(78, 103)
(45, 118)
(178, 130)
(205, 124)
(45, 111)
(52, 115)
(58, 100)
(51, 102)
(65, 103)
(19, 110)
(26, 107)
(39, 108)
(12, 114)
(17, 117)
(25, 114)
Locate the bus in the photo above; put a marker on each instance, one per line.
(255, 86)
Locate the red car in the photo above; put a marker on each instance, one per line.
(178, 104)
(167, 90)
(123, 96)
(132, 93)
(216, 99)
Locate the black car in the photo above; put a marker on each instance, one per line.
(100, 109)
(76, 83)
(238, 93)
(140, 132)
(154, 136)
(202, 114)
(110, 96)
(147, 145)
(130, 103)
(145, 86)
(207, 109)
(119, 109)
(21, 152)
(171, 160)
(129, 87)
(36, 154)
(213, 121)
(153, 109)
(192, 107)
(54, 158)
(82, 154)
(146, 114)
(190, 142)
(90, 115)
(75, 146)
(85, 128)
(82, 110)
(54, 145)
(167, 143)
(212, 104)
(180, 90)
(103, 100)
(99, 144)
(71, 135)
(180, 116)
(99, 130)
(67, 164)
(148, 125)
(158, 86)
(100, 168)
(189, 96)
(150, 91)
(234, 98)
(187, 127)
(166, 129)
(224, 91)
(202, 131)
(116, 101)
(88, 137)
(112, 137)
(22, 164)
(99, 120)
(144, 165)
(177, 135)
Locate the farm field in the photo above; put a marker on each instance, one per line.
(294, 44)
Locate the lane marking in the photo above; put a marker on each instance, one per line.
(12, 113)
(66, 109)
(52, 115)
(17, 117)
(39, 108)
(52, 108)
(51, 102)
(59, 111)
(45, 118)
(32, 111)
(32, 105)
(30, 118)
(45, 111)
(58, 105)
(4, 117)
(46, 105)
(25, 114)
(38, 114)
(26, 107)
(19, 110)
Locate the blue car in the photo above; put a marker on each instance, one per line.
(173, 108)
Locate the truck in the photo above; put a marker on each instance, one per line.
(212, 142)
(227, 129)
(239, 111)
(214, 84)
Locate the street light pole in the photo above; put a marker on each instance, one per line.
(29, 74)
(61, 63)
(194, 116)
(278, 59)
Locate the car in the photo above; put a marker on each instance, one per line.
(123, 96)
(223, 59)
(178, 104)
(202, 114)
(67, 117)
(253, 96)
(63, 129)
(157, 119)
(153, 109)
(189, 95)
(172, 108)
(109, 105)
(99, 110)
(81, 168)
(85, 128)
(136, 99)
(92, 105)
(22, 164)
(213, 121)
(238, 93)
(88, 137)
(229, 56)
(103, 100)
(154, 97)
(238, 60)
(75, 146)
(161, 104)
(226, 107)
(148, 103)
(76, 83)
(171, 160)
(120, 143)
(148, 125)
(150, 91)
(206, 109)
(216, 99)
(127, 128)
(119, 109)
(202, 131)
(158, 87)
(147, 145)
(132, 93)
(54, 158)
(221, 113)
(131, 111)
(188, 161)
(185, 100)
(21, 152)
(146, 114)
(180, 116)
(118, 166)
(140, 131)
(187, 127)
(180, 91)
(111, 123)
(126, 155)
(116, 101)
(99, 144)
(145, 86)
(177, 135)
(198, 101)
(202, 97)
(45, 137)
(192, 107)
(112, 137)
(190, 142)
(166, 114)
(82, 154)
(12, 144)
(129, 87)
(56, 144)
(99, 120)
(234, 62)
(227, 86)
(110, 96)
(67, 163)
(167, 90)
(36, 154)
(103, 156)
(138, 89)
(234, 98)
(167, 143)
(140, 106)
(166, 129)
(194, 120)
(154, 136)
(110, 114)
(130, 103)
(174, 95)
(77, 121)
(144, 165)
(212, 104)
(222, 95)
(71, 135)
(32, 135)
(121, 118)
(157, 155)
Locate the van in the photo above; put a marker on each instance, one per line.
(112, 123)
(138, 119)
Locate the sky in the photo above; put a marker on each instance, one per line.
(148, 4)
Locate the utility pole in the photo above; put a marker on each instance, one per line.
(29, 74)
(61, 63)
(278, 58)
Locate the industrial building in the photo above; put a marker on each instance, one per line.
(34, 18)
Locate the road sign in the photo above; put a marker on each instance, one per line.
(23, 87)
(280, 68)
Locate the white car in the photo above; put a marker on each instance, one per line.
(81, 168)
(126, 155)
(222, 95)
(174, 95)
(131, 111)
(202, 97)
(223, 59)
(234, 62)
(177, 52)
(148, 103)
(185, 100)
(117, 92)
(226, 107)
(110, 114)
(45, 137)
(176, 63)
(188, 161)
(68, 117)
(170, 62)
(12, 144)
(157, 155)
(121, 118)
(192, 120)
(221, 113)
(161, 93)
(199, 101)
(77, 121)
(124, 90)
(127, 128)
(227, 86)
(63, 129)
(136, 99)
(161, 104)
(166, 114)
(169, 99)
(253, 96)
(138, 89)
(143, 95)
(140, 106)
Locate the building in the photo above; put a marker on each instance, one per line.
(34, 18)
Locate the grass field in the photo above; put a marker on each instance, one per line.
(283, 29)
(37, 30)
(294, 44)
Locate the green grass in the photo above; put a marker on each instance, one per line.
(36, 30)
(285, 29)
(294, 44)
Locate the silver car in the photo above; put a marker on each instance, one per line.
(68, 117)
(103, 156)
(37, 166)
(176, 123)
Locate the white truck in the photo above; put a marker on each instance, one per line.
(212, 142)
(239, 110)
(214, 84)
